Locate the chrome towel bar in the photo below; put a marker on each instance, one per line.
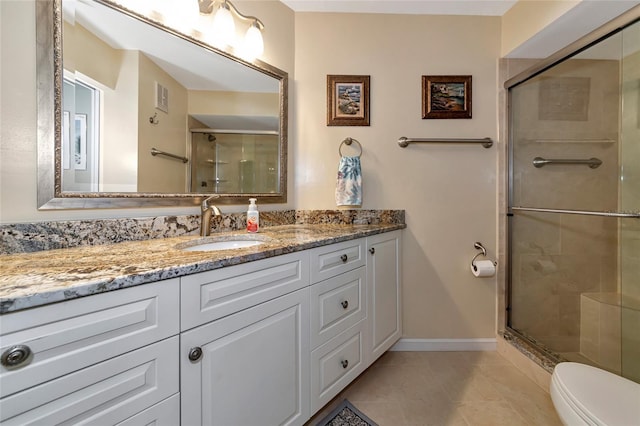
(404, 141)
(582, 212)
(593, 163)
(155, 152)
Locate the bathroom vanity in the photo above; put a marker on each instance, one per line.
(260, 335)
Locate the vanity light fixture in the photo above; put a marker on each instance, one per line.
(223, 28)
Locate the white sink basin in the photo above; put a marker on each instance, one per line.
(221, 243)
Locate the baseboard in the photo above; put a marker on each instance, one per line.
(448, 345)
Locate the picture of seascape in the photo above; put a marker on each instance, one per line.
(447, 96)
(349, 99)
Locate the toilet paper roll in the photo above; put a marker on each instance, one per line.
(483, 268)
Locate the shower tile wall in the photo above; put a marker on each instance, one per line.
(234, 163)
(571, 112)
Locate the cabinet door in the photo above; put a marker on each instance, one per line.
(253, 368)
(68, 336)
(384, 291)
(102, 394)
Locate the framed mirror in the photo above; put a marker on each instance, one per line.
(132, 113)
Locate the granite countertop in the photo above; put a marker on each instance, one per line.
(33, 279)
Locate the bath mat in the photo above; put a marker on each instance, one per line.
(345, 414)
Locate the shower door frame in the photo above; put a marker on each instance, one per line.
(542, 356)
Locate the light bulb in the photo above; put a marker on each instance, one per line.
(253, 45)
(224, 29)
(177, 16)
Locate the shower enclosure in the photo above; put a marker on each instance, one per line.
(574, 206)
(234, 162)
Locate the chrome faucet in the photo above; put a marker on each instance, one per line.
(207, 211)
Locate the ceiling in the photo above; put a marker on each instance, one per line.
(420, 7)
(584, 17)
(188, 63)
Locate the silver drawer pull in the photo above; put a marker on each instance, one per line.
(195, 354)
(344, 258)
(345, 363)
(16, 355)
(345, 304)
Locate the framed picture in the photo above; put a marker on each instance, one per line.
(80, 145)
(348, 100)
(446, 96)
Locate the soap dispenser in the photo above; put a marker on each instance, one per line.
(253, 216)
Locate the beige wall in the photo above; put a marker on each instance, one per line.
(449, 192)
(115, 73)
(528, 17)
(121, 111)
(170, 134)
(233, 103)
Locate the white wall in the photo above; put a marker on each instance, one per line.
(449, 192)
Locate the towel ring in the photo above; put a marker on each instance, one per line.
(348, 141)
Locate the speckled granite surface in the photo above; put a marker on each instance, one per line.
(48, 276)
(537, 353)
(32, 237)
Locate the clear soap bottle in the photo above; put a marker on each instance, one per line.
(253, 216)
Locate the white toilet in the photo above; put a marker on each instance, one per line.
(585, 395)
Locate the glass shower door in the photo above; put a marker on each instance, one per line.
(630, 201)
(574, 173)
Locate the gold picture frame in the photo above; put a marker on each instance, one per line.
(348, 100)
(446, 96)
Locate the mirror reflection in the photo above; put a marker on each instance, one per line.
(145, 111)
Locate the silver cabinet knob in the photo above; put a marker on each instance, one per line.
(195, 354)
(345, 304)
(345, 363)
(372, 250)
(344, 258)
(15, 355)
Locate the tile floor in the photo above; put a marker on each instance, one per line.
(447, 388)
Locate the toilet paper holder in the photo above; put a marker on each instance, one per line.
(483, 252)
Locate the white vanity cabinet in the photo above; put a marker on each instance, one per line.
(384, 291)
(250, 367)
(99, 359)
(267, 342)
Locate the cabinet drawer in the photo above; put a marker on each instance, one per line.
(329, 261)
(214, 294)
(337, 304)
(165, 413)
(67, 336)
(105, 393)
(335, 364)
